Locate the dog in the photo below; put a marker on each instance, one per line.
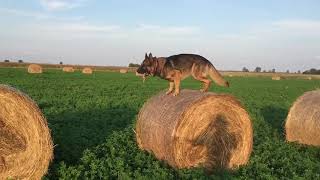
(178, 67)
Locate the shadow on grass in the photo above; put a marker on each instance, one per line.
(73, 132)
(275, 116)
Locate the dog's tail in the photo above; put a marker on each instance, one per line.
(216, 76)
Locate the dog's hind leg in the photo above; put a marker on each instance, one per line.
(199, 74)
(206, 83)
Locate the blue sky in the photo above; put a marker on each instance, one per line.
(280, 34)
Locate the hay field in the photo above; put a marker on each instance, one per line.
(91, 119)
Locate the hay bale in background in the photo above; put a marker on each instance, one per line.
(276, 78)
(68, 69)
(303, 121)
(87, 70)
(34, 69)
(123, 71)
(25, 141)
(195, 129)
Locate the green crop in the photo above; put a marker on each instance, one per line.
(91, 118)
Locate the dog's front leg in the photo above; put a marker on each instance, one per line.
(177, 79)
(171, 86)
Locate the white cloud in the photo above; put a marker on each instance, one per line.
(298, 24)
(54, 5)
(37, 15)
(83, 27)
(168, 30)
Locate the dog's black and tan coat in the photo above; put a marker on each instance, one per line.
(177, 67)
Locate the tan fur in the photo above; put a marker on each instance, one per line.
(197, 72)
(178, 67)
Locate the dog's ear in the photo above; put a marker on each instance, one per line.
(146, 56)
(150, 56)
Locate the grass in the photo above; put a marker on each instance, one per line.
(91, 119)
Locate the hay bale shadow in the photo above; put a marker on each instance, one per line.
(73, 132)
(275, 116)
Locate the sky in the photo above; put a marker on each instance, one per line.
(280, 34)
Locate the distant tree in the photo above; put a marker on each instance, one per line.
(133, 65)
(20, 61)
(264, 71)
(61, 62)
(6, 60)
(273, 70)
(244, 69)
(299, 71)
(287, 71)
(312, 71)
(258, 69)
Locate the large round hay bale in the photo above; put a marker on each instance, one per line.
(303, 120)
(87, 70)
(195, 129)
(123, 71)
(68, 69)
(277, 78)
(25, 142)
(34, 69)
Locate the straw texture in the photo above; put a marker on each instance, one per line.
(34, 69)
(68, 69)
(303, 121)
(195, 129)
(87, 70)
(25, 142)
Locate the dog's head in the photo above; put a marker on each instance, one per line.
(148, 65)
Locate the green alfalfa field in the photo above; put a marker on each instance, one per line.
(91, 118)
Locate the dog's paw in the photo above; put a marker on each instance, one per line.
(168, 92)
(203, 90)
(175, 94)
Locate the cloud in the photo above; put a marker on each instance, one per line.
(55, 5)
(37, 15)
(168, 30)
(298, 24)
(83, 27)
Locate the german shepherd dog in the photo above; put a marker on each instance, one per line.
(177, 67)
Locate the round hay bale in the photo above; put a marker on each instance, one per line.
(123, 71)
(195, 129)
(303, 120)
(68, 69)
(25, 142)
(34, 69)
(87, 70)
(277, 78)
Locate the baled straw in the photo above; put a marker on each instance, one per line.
(303, 120)
(195, 129)
(34, 69)
(277, 78)
(123, 71)
(87, 70)
(25, 141)
(68, 69)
